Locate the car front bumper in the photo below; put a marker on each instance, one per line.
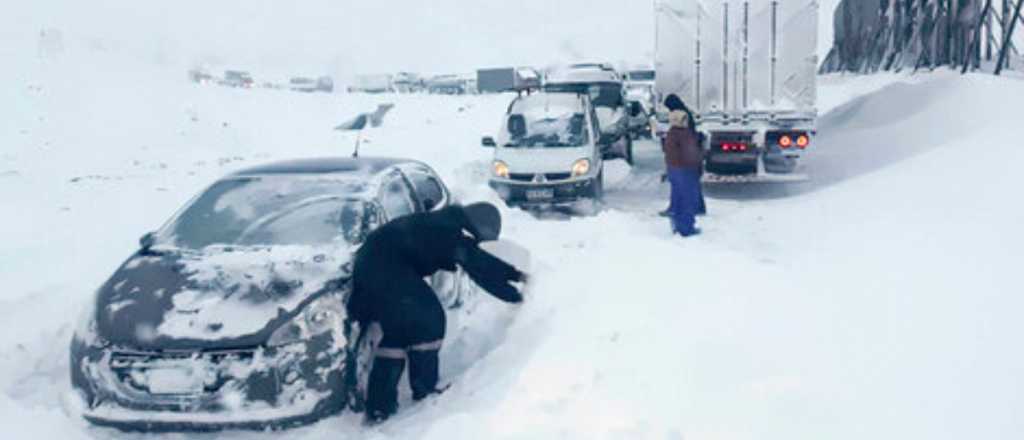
(544, 193)
(255, 388)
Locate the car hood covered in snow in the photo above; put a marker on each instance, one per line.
(218, 298)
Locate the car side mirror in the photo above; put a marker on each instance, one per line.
(488, 142)
(147, 241)
(634, 109)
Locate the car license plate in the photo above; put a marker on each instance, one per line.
(540, 194)
(174, 381)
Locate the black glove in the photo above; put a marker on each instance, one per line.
(490, 272)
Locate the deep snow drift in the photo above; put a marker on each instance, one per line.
(878, 300)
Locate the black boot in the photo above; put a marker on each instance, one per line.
(423, 373)
(382, 391)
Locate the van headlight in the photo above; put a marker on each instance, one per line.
(324, 314)
(500, 169)
(580, 167)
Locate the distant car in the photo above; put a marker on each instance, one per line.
(447, 85)
(381, 83)
(547, 152)
(200, 76)
(605, 87)
(641, 76)
(325, 84)
(232, 314)
(507, 79)
(408, 82)
(639, 121)
(237, 78)
(302, 84)
(640, 87)
(310, 85)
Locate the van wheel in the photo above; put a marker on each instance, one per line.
(597, 190)
(629, 151)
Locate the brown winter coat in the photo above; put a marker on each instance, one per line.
(681, 146)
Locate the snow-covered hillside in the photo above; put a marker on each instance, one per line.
(878, 300)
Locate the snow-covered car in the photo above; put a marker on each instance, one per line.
(604, 86)
(232, 314)
(237, 78)
(547, 152)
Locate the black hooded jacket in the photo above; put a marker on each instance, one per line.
(395, 259)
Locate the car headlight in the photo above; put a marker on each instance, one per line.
(321, 316)
(500, 169)
(580, 167)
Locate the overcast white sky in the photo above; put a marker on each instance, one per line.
(435, 36)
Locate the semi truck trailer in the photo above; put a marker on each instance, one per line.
(746, 70)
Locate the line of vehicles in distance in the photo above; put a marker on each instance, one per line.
(244, 80)
(747, 74)
(487, 80)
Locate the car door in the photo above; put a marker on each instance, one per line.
(396, 196)
(428, 189)
(432, 195)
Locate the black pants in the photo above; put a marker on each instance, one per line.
(413, 325)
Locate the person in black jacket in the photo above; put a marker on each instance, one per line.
(389, 288)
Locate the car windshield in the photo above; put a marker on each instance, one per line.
(606, 94)
(641, 75)
(547, 130)
(269, 211)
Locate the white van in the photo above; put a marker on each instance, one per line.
(547, 152)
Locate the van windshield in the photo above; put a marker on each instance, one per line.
(547, 130)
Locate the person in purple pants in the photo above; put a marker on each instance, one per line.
(683, 159)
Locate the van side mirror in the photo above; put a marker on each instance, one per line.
(147, 241)
(635, 109)
(488, 142)
(607, 139)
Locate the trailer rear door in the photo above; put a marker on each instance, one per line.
(738, 55)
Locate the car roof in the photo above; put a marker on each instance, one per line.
(584, 74)
(547, 100)
(369, 166)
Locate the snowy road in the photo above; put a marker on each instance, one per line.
(878, 300)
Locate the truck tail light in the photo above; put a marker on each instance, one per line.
(785, 142)
(734, 147)
(803, 141)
